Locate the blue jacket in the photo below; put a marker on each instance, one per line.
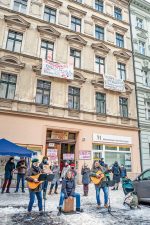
(68, 187)
(85, 172)
(10, 166)
(123, 172)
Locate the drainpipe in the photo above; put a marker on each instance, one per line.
(133, 59)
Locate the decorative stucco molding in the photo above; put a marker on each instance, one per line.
(76, 39)
(11, 61)
(48, 30)
(17, 20)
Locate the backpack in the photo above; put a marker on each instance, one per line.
(116, 170)
(131, 200)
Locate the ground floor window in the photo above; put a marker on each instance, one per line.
(112, 153)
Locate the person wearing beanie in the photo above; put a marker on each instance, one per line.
(34, 170)
(9, 169)
(21, 168)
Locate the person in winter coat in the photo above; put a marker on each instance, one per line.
(42, 165)
(73, 170)
(116, 170)
(9, 169)
(97, 167)
(22, 168)
(123, 171)
(68, 191)
(34, 170)
(102, 163)
(55, 182)
(85, 172)
(65, 170)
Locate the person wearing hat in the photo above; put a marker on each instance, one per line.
(9, 169)
(34, 170)
(21, 168)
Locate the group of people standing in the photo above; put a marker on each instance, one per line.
(67, 176)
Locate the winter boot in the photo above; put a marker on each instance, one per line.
(59, 211)
(50, 192)
(7, 191)
(113, 189)
(56, 192)
(106, 206)
(79, 210)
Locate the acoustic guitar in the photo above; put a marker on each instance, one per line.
(33, 185)
(97, 180)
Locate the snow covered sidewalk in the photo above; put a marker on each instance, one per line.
(16, 203)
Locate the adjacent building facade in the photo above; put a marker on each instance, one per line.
(80, 119)
(140, 19)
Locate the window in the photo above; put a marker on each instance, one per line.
(8, 85)
(123, 107)
(20, 5)
(74, 98)
(97, 147)
(146, 78)
(118, 13)
(100, 65)
(139, 23)
(119, 40)
(99, 32)
(112, 148)
(76, 57)
(123, 149)
(99, 5)
(14, 41)
(47, 49)
(50, 15)
(100, 103)
(122, 71)
(145, 175)
(142, 47)
(43, 92)
(147, 110)
(80, 1)
(75, 24)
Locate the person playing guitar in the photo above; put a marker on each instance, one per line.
(98, 176)
(35, 170)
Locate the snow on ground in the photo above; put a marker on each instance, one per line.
(17, 203)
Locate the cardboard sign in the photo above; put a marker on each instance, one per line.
(68, 156)
(52, 154)
(85, 155)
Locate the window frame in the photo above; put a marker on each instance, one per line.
(8, 83)
(142, 48)
(50, 14)
(73, 96)
(121, 70)
(117, 14)
(101, 101)
(138, 22)
(43, 89)
(100, 63)
(76, 24)
(20, 5)
(100, 33)
(47, 49)
(122, 105)
(75, 57)
(99, 5)
(119, 40)
(14, 40)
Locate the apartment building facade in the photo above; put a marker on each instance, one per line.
(80, 119)
(140, 20)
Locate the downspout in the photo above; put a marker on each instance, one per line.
(133, 59)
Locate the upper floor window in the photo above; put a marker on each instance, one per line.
(99, 32)
(142, 47)
(75, 24)
(100, 103)
(20, 5)
(100, 65)
(118, 13)
(146, 78)
(50, 15)
(122, 71)
(8, 85)
(119, 40)
(47, 49)
(74, 98)
(75, 57)
(99, 6)
(43, 92)
(123, 102)
(147, 110)
(14, 41)
(139, 22)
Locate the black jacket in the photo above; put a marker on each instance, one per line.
(68, 187)
(10, 166)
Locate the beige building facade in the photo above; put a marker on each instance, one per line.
(80, 119)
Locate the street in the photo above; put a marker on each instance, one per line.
(13, 208)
